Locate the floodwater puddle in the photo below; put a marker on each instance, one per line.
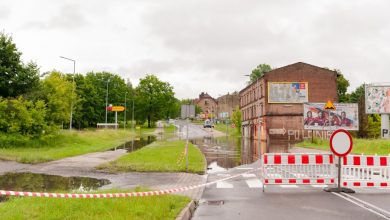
(33, 182)
(136, 143)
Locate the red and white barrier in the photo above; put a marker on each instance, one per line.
(306, 169)
(114, 195)
(365, 171)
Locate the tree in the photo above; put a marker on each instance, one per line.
(153, 98)
(342, 86)
(236, 119)
(92, 90)
(16, 78)
(59, 95)
(258, 72)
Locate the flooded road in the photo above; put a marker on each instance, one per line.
(227, 152)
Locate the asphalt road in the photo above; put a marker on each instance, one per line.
(242, 198)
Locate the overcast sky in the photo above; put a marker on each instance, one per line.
(202, 45)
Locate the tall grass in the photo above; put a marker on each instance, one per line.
(64, 144)
(160, 156)
(155, 207)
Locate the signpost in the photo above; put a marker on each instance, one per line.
(341, 145)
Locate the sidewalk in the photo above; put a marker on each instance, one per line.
(306, 150)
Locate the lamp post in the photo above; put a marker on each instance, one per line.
(108, 80)
(124, 121)
(71, 102)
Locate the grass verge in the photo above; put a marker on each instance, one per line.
(233, 132)
(360, 146)
(66, 144)
(160, 156)
(153, 207)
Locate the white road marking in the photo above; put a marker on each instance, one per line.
(319, 186)
(244, 168)
(248, 175)
(254, 183)
(367, 204)
(362, 205)
(289, 186)
(224, 185)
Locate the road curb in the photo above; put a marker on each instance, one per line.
(187, 212)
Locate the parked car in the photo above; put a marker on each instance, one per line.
(208, 124)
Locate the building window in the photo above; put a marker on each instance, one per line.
(206, 102)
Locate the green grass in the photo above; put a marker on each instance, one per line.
(160, 156)
(360, 146)
(169, 129)
(67, 144)
(153, 207)
(233, 132)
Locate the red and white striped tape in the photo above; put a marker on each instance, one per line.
(114, 195)
(366, 184)
(297, 159)
(362, 160)
(319, 181)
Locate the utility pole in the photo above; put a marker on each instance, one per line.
(124, 121)
(71, 102)
(108, 80)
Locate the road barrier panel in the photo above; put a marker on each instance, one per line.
(298, 169)
(365, 171)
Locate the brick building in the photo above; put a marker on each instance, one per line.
(208, 104)
(227, 103)
(272, 120)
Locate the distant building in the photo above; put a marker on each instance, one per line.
(272, 107)
(212, 108)
(208, 105)
(227, 103)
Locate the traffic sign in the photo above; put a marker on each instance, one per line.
(329, 106)
(341, 142)
(117, 108)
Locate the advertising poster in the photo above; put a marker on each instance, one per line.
(288, 92)
(345, 116)
(377, 99)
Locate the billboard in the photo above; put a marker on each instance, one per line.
(288, 92)
(377, 99)
(345, 116)
(187, 111)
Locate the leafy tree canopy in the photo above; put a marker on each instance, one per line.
(16, 77)
(258, 72)
(342, 86)
(154, 98)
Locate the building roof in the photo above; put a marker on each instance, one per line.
(294, 64)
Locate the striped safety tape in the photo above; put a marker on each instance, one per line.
(366, 184)
(297, 159)
(298, 181)
(363, 160)
(115, 195)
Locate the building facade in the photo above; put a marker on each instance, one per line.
(272, 107)
(227, 103)
(208, 105)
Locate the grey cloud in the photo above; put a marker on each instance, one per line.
(69, 17)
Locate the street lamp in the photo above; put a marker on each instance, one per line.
(124, 121)
(71, 102)
(108, 80)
